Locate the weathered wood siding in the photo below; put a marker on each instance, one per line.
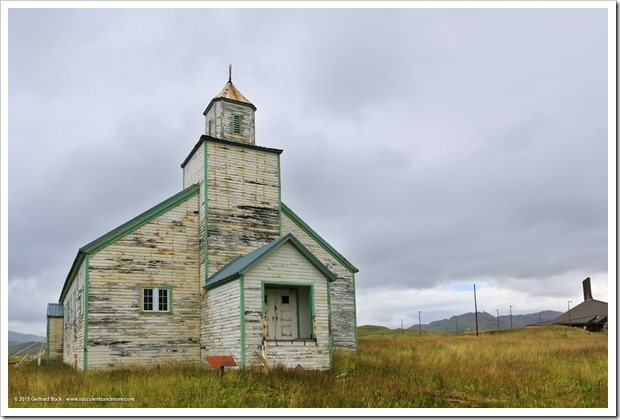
(54, 335)
(163, 252)
(286, 265)
(243, 201)
(221, 323)
(343, 321)
(73, 324)
(216, 109)
(221, 114)
(193, 173)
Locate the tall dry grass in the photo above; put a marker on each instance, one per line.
(547, 367)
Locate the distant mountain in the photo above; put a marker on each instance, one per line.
(486, 322)
(24, 338)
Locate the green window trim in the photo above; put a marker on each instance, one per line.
(242, 318)
(155, 299)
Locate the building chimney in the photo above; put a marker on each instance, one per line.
(587, 291)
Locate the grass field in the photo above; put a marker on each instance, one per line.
(539, 367)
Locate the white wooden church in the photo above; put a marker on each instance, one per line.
(222, 268)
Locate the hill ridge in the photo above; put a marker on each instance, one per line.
(486, 321)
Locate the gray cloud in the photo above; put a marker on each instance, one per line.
(430, 146)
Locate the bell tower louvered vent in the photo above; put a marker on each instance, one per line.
(230, 116)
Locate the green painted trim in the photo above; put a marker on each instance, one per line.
(140, 220)
(329, 323)
(47, 340)
(322, 242)
(354, 310)
(85, 294)
(141, 288)
(123, 230)
(222, 282)
(77, 263)
(297, 310)
(205, 238)
(243, 264)
(279, 196)
(242, 319)
(262, 304)
(312, 312)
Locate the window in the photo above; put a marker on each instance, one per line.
(236, 124)
(210, 132)
(156, 299)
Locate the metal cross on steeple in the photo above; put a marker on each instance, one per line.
(230, 73)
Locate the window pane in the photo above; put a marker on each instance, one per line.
(163, 300)
(284, 299)
(147, 299)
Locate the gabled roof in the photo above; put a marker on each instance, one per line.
(140, 220)
(322, 242)
(591, 311)
(239, 266)
(124, 229)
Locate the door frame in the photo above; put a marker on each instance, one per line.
(287, 284)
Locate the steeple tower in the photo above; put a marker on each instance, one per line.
(230, 116)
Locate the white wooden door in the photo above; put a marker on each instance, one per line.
(281, 309)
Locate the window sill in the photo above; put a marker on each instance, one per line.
(282, 341)
(155, 313)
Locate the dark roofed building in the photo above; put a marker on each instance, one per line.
(591, 314)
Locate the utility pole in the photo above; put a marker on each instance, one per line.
(476, 309)
(569, 302)
(457, 324)
(497, 310)
(420, 321)
(401, 327)
(511, 317)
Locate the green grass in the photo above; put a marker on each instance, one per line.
(539, 367)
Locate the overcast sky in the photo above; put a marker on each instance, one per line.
(434, 148)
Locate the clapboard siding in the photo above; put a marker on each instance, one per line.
(54, 335)
(342, 290)
(73, 325)
(162, 253)
(243, 201)
(294, 354)
(193, 173)
(221, 113)
(286, 265)
(221, 323)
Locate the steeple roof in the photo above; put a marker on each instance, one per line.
(232, 93)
